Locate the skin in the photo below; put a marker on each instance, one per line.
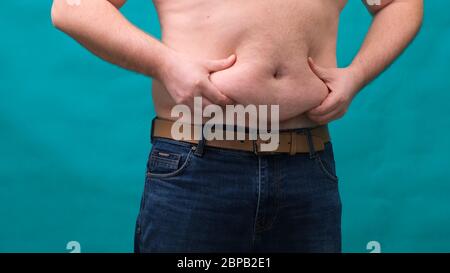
(252, 52)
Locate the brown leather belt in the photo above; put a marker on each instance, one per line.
(291, 141)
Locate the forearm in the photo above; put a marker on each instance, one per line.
(393, 28)
(100, 27)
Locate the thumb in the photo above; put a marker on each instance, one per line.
(320, 72)
(218, 65)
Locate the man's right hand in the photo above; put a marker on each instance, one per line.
(186, 78)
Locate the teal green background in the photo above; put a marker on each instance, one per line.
(74, 137)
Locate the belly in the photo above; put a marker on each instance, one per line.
(289, 84)
(272, 42)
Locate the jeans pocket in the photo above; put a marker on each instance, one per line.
(325, 162)
(168, 159)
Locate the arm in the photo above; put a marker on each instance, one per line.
(395, 24)
(100, 27)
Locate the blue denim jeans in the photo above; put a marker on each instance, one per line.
(233, 201)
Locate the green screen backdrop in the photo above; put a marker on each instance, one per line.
(74, 139)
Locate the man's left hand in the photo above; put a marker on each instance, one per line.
(342, 85)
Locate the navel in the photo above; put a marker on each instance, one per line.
(278, 72)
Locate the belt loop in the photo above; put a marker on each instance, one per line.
(312, 151)
(255, 146)
(293, 146)
(200, 149)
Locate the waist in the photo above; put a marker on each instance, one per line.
(292, 141)
(262, 81)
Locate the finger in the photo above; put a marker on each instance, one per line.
(218, 65)
(330, 103)
(320, 72)
(214, 95)
(325, 119)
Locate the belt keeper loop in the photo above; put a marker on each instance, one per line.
(312, 151)
(255, 146)
(293, 146)
(200, 149)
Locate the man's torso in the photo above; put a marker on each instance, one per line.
(272, 40)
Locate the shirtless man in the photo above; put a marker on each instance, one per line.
(215, 197)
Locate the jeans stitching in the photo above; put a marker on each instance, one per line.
(176, 172)
(326, 172)
(277, 195)
(259, 198)
(164, 162)
(138, 229)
